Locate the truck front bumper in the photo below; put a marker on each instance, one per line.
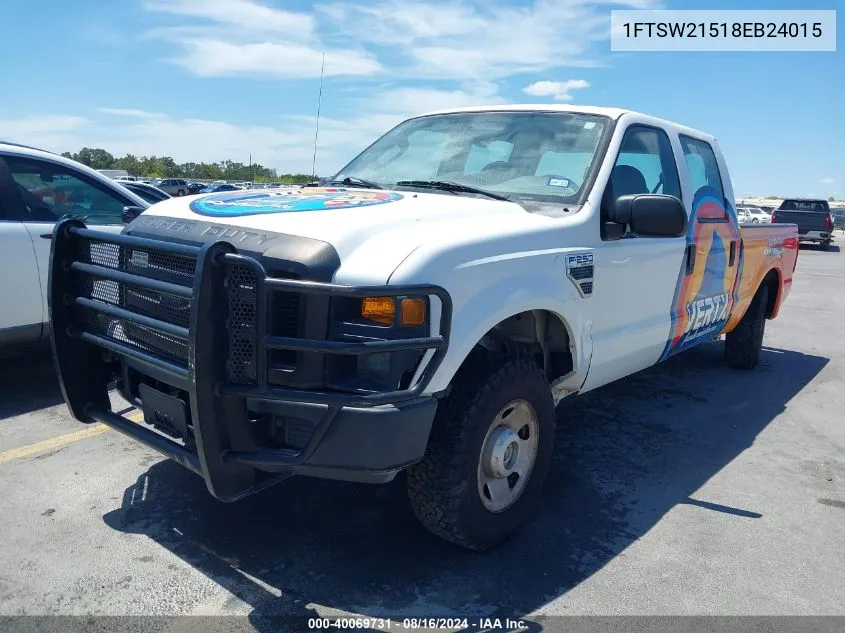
(184, 331)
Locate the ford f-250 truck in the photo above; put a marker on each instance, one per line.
(424, 311)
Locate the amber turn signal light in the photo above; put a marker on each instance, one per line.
(381, 310)
(412, 312)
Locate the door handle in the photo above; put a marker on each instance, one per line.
(47, 236)
(690, 253)
(732, 257)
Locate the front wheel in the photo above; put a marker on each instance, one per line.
(744, 343)
(488, 454)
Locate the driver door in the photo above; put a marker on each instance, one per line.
(635, 277)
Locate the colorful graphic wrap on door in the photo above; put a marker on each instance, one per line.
(239, 203)
(704, 298)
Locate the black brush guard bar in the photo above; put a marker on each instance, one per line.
(225, 453)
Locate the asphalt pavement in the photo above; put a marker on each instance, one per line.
(687, 489)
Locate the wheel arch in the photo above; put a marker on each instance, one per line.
(544, 333)
(774, 283)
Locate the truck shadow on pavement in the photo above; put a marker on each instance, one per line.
(28, 383)
(625, 455)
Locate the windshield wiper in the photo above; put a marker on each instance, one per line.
(453, 187)
(354, 181)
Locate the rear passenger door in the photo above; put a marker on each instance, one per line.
(707, 284)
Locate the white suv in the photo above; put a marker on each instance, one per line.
(754, 215)
(36, 189)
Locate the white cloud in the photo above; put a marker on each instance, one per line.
(827, 181)
(557, 90)
(44, 131)
(132, 112)
(458, 39)
(245, 14)
(444, 39)
(236, 37)
(287, 146)
(208, 57)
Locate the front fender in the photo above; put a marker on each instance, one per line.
(476, 312)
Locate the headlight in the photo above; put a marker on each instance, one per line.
(376, 318)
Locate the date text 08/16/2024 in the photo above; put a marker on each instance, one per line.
(414, 624)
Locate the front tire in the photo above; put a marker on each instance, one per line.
(744, 343)
(488, 454)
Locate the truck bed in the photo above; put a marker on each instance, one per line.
(805, 220)
(765, 247)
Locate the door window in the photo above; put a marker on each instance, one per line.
(51, 191)
(703, 168)
(646, 164)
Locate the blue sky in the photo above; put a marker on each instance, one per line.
(218, 79)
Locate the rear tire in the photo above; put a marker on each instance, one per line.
(826, 245)
(180, 192)
(475, 443)
(744, 342)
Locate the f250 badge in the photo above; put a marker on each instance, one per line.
(579, 269)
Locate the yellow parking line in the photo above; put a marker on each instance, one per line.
(61, 440)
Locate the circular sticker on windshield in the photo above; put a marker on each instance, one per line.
(238, 203)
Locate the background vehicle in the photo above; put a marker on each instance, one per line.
(813, 217)
(221, 187)
(146, 191)
(114, 174)
(195, 188)
(754, 215)
(172, 186)
(36, 189)
(392, 321)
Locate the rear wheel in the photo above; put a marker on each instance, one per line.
(744, 342)
(826, 244)
(180, 192)
(488, 454)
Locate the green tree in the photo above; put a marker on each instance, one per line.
(831, 199)
(95, 157)
(166, 167)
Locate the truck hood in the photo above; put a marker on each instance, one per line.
(371, 230)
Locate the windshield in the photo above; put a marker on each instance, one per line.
(539, 156)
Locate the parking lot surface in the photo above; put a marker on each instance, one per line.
(689, 488)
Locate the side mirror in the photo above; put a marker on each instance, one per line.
(650, 215)
(130, 213)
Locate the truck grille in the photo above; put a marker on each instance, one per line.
(243, 301)
(243, 312)
(283, 320)
(156, 264)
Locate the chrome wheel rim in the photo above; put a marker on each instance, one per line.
(508, 454)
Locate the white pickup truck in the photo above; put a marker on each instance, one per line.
(423, 311)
